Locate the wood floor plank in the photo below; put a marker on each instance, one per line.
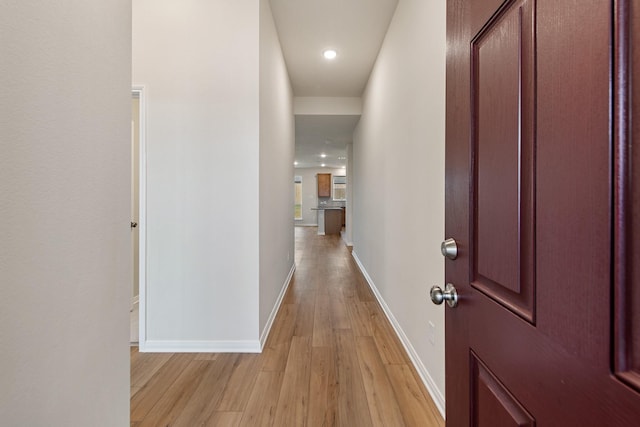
(306, 314)
(361, 286)
(293, 403)
(205, 400)
(277, 347)
(322, 328)
(167, 409)
(417, 409)
(286, 323)
(349, 291)
(242, 378)
(133, 354)
(275, 357)
(145, 365)
(207, 356)
(353, 408)
(291, 296)
(323, 388)
(383, 405)
(261, 407)
(339, 312)
(359, 318)
(224, 419)
(154, 389)
(388, 344)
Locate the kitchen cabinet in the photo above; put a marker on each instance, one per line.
(332, 220)
(324, 185)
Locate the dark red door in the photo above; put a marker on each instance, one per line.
(543, 199)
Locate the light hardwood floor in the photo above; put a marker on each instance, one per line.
(332, 359)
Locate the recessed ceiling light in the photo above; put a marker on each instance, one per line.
(323, 155)
(323, 165)
(330, 54)
(295, 163)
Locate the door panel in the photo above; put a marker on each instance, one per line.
(633, 310)
(493, 405)
(547, 327)
(503, 117)
(573, 176)
(627, 194)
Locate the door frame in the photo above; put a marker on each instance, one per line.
(140, 92)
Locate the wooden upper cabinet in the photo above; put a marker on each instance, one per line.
(324, 185)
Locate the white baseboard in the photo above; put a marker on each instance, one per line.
(306, 225)
(267, 328)
(343, 235)
(162, 346)
(432, 388)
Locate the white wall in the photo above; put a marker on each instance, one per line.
(65, 256)
(398, 218)
(220, 144)
(277, 145)
(199, 62)
(348, 236)
(329, 106)
(310, 192)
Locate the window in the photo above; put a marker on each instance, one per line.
(297, 187)
(340, 188)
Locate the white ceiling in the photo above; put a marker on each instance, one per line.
(355, 29)
(328, 135)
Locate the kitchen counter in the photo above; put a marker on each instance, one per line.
(334, 223)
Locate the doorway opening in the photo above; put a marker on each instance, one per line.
(138, 217)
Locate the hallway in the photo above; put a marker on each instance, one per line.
(332, 359)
